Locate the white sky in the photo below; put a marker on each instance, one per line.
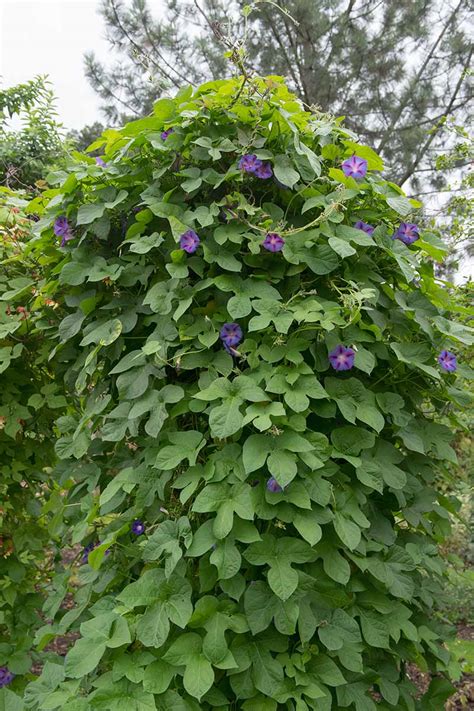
(50, 37)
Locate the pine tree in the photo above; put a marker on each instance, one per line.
(397, 70)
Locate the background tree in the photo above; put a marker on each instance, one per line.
(27, 153)
(82, 138)
(396, 70)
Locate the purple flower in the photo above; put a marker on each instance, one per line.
(88, 549)
(61, 226)
(189, 241)
(274, 486)
(6, 677)
(448, 361)
(364, 227)
(100, 161)
(273, 242)
(354, 167)
(138, 527)
(264, 171)
(342, 358)
(231, 335)
(165, 134)
(249, 163)
(407, 233)
(62, 229)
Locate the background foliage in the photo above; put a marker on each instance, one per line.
(26, 153)
(236, 596)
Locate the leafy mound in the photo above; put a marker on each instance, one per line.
(259, 525)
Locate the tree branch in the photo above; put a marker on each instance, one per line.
(421, 152)
(408, 94)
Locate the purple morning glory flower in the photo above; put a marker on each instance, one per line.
(138, 527)
(264, 171)
(100, 161)
(88, 549)
(165, 134)
(63, 229)
(364, 227)
(354, 167)
(448, 361)
(274, 486)
(249, 163)
(407, 233)
(231, 334)
(61, 226)
(273, 242)
(6, 677)
(189, 241)
(342, 358)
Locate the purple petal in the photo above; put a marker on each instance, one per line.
(138, 527)
(264, 171)
(231, 334)
(273, 242)
(249, 163)
(448, 361)
(274, 486)
(354, 167)
(369, 229)
(342, 358)
(189, 241)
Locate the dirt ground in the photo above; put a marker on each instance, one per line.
(463, 699)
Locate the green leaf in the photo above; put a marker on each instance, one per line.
(158, 676)
(280, 554)
(284, 171)
(84, 657)
(307, 525)
(10, 701)
(71, 325)
(259, 606)
(455, 330)
(74, 273)
(88, 213)
(341, 247)
(198, 676)
(323, 259)
(185, 445)
(347, 530)
(400, 204)
(226, 419)
(364, 360)
(283, 579)
(352, 440)
(283, 466)
(153, 627)
(104, 334)
(327, 670)
(226, 558)
(255, 451)
(374, 629)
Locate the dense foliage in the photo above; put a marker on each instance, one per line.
(258, 527)
(29, 403)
